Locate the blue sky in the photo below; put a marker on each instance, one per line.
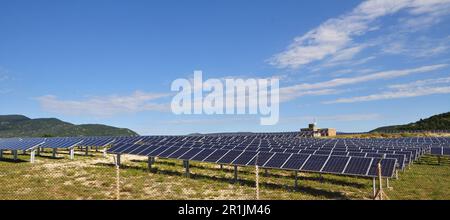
(352, 65)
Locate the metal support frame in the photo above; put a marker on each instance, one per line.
(32, 156)
(55, 151)
(221, 166)
(1, 154)
(15, 154)
(38, 151)
(186, 166)
(266, 172)
(296, 179)
(150, 162)
(118, 160)
(72, 153)
(387, 183)
(87, 151)
(235, 173)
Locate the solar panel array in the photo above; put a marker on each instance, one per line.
(286, 151)
(357, 157)
(63, 142)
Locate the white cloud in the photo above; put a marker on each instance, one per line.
(104, 106)
(336, 36)
(414, 89)
(325, 88)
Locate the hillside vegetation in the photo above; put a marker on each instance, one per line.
(436, 122)
(22, 126)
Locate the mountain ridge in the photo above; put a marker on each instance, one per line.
(22, 126)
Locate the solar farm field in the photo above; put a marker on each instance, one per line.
(223, 167)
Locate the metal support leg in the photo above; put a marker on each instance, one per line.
(118, 160)
(374, 182)
(104, 152)
(149, 163)
(387, 183)
(72, 153)
(38, 151)
(235, 173)
(186, 165)
(96, 148)
(396, 174)
(54, 152)
(1, 154)
(296, 179)
(266, 172)
(32, 156)
(24, 152)
(87, 151)
(221, 166)
(15, 154)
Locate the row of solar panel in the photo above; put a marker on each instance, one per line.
(358, 166)
(440, 151)
(26, 144)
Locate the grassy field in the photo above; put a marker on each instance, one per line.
(94, 177)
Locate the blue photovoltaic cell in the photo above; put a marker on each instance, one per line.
(168, 152)
(436, 150)
(358, 166)
(356, 154)
(262, 158)
(336, 164)
(339, 153)
(191, 153)
(214, 157)
(277, 150)
(315, 163)
(229, 157)
(400, 159)
(296, 161)
(132, 149)
(446, 151)
(322, 152)
(118, 148)
(156, 152)
(179, 152)
(292, 151)
(244, 158)
(147, 150)
(387, 167)
(202, 155)
(277, 160)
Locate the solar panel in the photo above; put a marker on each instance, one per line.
(387, 167)
(191, 153)
(262, 158)
(296, 161)
(229, 157)
(358, 166)
(446, 151)
(203, 154)
(315, 163)
(336, 164)
(245, 158)
(277, 161)
(214, 157)
(179, 152)
(168, 152)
